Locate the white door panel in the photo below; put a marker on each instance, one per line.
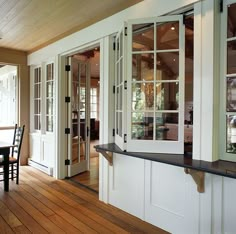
(169, 196)
(127, 184)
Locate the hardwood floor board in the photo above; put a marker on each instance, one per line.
(21, 230)
(63, 224)
(83, 208)
(38, 204)
(68, 205)
(36, 214)
(22, 215)
(71, 220)
(4, 227)
(8, 216)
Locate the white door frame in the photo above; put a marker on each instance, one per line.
(106, 119)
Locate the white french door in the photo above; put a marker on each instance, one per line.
(78, 117)
(155, 83)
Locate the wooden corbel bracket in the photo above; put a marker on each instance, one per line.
(198, 177)
(107, 155)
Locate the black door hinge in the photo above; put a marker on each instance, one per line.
(221, 6)
(114, 89)
(67, 130)
(113, 132)
(67, 99)
(114, 46)
(87, 131)
(125, 138)
(125, 84)
(125, 31)
(67, 68)
(67, 162)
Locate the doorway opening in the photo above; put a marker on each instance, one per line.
(8, 101)
(84, 117)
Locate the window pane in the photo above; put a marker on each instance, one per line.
(231, 57)
(117, 121)
(117, 73)
(120, 124)
(231, 134)
(143, 37)
(142, 126)
(167, 126)
(49, 72)
(37, 124)
(50, 106)
(49, 91)
(37, 90)
(231, 94)
(93, 107)
(121, 99)
(231, 28)
(167, 96)
(117, 98)
(143, 67)
(121, 70)
(168, 36)
(36, 106)
(93, 115)
(167, 66)
(49, 123)
(121, 44)
(142, 96)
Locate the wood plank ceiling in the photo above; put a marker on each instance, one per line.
(29, 25)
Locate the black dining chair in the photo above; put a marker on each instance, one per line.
(14, 157)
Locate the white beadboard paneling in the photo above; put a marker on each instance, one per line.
(229, 206)
(126, 188)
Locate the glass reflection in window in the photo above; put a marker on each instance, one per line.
(231, 25)
(142, 96)
(167, 96)
(231, 134)
(167, 66)
(167, 126)
(143, 37)
(142, 126)
(231, 94)
(231, 57)
(167, 36)
(143, 67)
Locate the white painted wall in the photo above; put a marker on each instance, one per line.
(157, 193)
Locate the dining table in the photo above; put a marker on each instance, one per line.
(5, 152)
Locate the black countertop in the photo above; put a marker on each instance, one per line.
(219, 167)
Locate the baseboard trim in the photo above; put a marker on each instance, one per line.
(41, 167)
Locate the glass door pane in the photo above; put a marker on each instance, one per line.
(80, 116)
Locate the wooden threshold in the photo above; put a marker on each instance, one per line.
(42, 204)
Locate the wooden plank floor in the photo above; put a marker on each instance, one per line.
(41, 204)
(89, 178)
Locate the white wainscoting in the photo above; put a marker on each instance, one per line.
(166, 197)
(126, 184)
(42, 152)
(169, 203)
